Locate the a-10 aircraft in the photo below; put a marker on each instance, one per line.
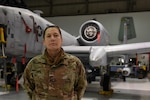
(22, 30)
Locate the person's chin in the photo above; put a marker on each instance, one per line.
(53, 48)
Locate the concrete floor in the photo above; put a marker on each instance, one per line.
(132, 89)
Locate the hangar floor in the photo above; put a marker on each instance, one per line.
(132, 89)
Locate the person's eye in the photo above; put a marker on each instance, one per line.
(56, 35)
(48, 36)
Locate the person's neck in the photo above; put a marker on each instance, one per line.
(53, 53)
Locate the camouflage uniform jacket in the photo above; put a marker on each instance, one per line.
(62, 79)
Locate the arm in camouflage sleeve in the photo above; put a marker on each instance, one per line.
(82, 82)
(28, 83)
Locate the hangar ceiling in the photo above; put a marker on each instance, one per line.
(82, 7)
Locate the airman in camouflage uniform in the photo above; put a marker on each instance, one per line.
(60, 78)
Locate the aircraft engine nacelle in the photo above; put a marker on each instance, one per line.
(93, 33)
(126, 71)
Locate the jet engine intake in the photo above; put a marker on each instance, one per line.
(93, 33)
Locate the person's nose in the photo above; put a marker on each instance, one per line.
(52, 38)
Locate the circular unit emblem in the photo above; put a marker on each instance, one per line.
(89, 31)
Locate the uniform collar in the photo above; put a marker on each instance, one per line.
(58, 59)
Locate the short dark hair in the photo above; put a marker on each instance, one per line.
(52, 26)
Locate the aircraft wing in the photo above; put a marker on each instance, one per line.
(133, 48)
(98, 55)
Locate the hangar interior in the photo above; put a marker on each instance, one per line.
(109, 12)
(86, 7)
(80, 7)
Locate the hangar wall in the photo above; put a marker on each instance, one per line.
(111, 22)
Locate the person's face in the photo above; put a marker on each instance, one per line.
(52, 39)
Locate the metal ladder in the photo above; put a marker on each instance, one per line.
(3, 56)
(3, 42)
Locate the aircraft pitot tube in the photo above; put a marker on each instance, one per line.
(93, 33)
